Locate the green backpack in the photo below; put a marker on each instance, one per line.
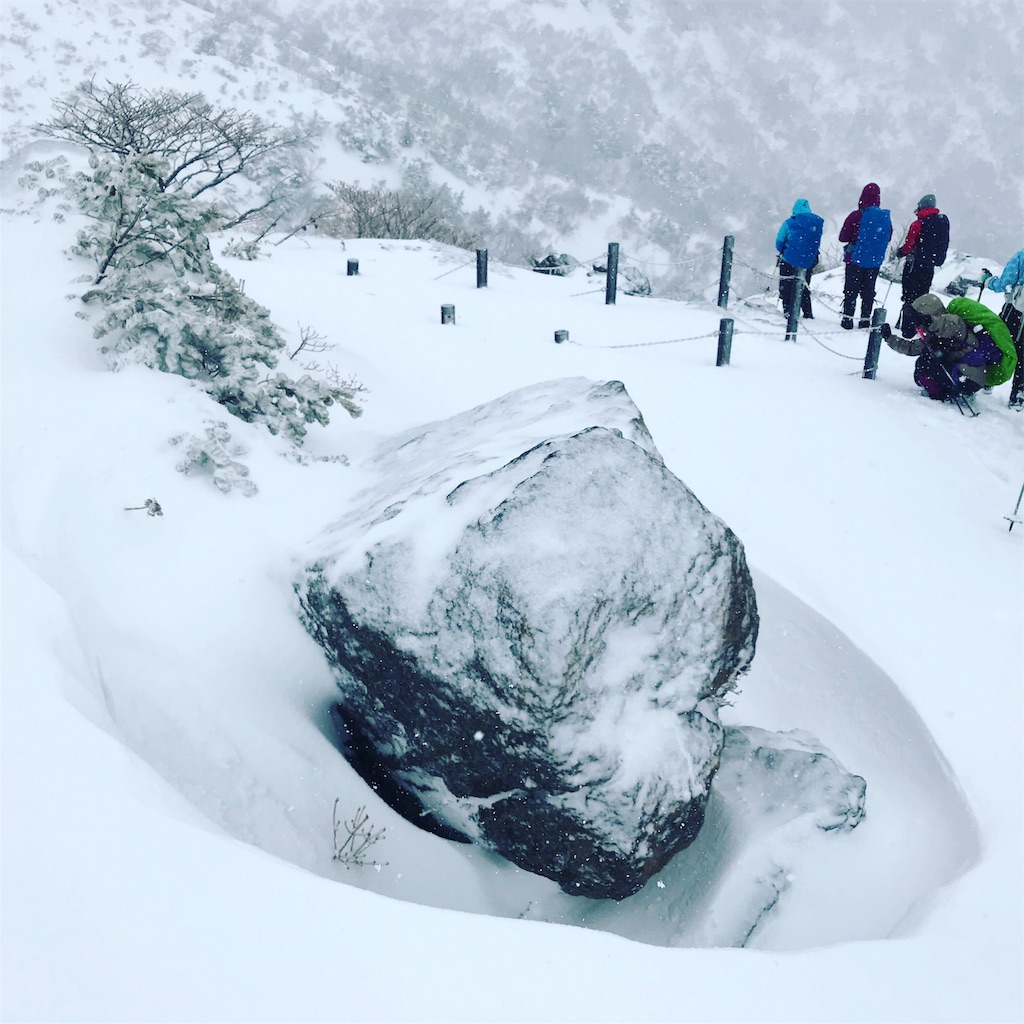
(975, 313)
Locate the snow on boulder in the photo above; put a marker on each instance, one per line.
(533, 624)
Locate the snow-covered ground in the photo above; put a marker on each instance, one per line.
(168, 768)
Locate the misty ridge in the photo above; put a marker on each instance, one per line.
(561, 125)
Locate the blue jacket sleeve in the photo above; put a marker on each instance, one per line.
(780, 238)
(1012, 275)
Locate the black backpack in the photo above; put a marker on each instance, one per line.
(934, 240)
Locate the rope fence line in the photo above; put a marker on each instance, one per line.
(828, 334)
(726, 331)
(775, 276)
(461, 266)
(648, 344)
(716, 253)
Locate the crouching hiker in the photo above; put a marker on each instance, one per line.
(798, 243)
(959, 349)
(1011, 283)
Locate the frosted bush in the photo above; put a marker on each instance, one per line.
(215, 455)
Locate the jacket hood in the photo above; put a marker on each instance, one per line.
(870, 196)
(801, 206)
(946, 326)
(929, 305)
(926, 211)
(949, 327)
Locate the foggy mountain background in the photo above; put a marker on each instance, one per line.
(565, 124)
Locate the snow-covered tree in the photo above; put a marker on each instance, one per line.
(169, 306)
(199, 146)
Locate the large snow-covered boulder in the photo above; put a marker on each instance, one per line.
(533, 624)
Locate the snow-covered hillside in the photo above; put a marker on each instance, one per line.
(135, 642)
(662, 125)
(169, 770)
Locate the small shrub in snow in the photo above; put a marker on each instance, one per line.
(242, 250)
(215, 455)
(311, 341)
(151, 507)
(354, 838)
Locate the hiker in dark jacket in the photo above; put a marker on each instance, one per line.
(1011, 283)
(955, 357)
(798, 243)
(924, 249)
(863, 254)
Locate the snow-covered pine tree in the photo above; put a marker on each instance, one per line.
(169, 306)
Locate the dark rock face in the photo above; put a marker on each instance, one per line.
(533, 624)
(559, 265)
(630, 279)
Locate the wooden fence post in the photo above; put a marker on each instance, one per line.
(724, 342)
(481, 268)
(561, 336)
(726, 274)
(353, 268)
(611, 279)
(874, 343)
(447, 314)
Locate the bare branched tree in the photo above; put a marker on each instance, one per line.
(382, 212)
(200, 147)
(311, 341)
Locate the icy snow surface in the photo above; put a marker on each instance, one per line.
(176, 638)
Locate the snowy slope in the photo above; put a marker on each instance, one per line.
(167, 766)
(134, 642)
(662, 124)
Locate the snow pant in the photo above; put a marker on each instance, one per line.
(787, 288)
(917, 281)
(941, 381)
(860, 282)
(1014, 320)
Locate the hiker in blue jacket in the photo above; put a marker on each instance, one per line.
(1011, 283)
(798, 243)
(865, 234)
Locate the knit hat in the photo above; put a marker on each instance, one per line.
(929, 305)
(940, 323)
(926, 201)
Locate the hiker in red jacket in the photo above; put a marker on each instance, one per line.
(924, 249)
(866, 233)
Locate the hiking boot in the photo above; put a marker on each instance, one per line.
(863, 322)
(847, 323)
(1017, 402)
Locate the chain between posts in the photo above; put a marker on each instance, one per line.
(726, 331)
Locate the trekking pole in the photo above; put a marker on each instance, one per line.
(1016, 509)
(885, 301)
(953, 388)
